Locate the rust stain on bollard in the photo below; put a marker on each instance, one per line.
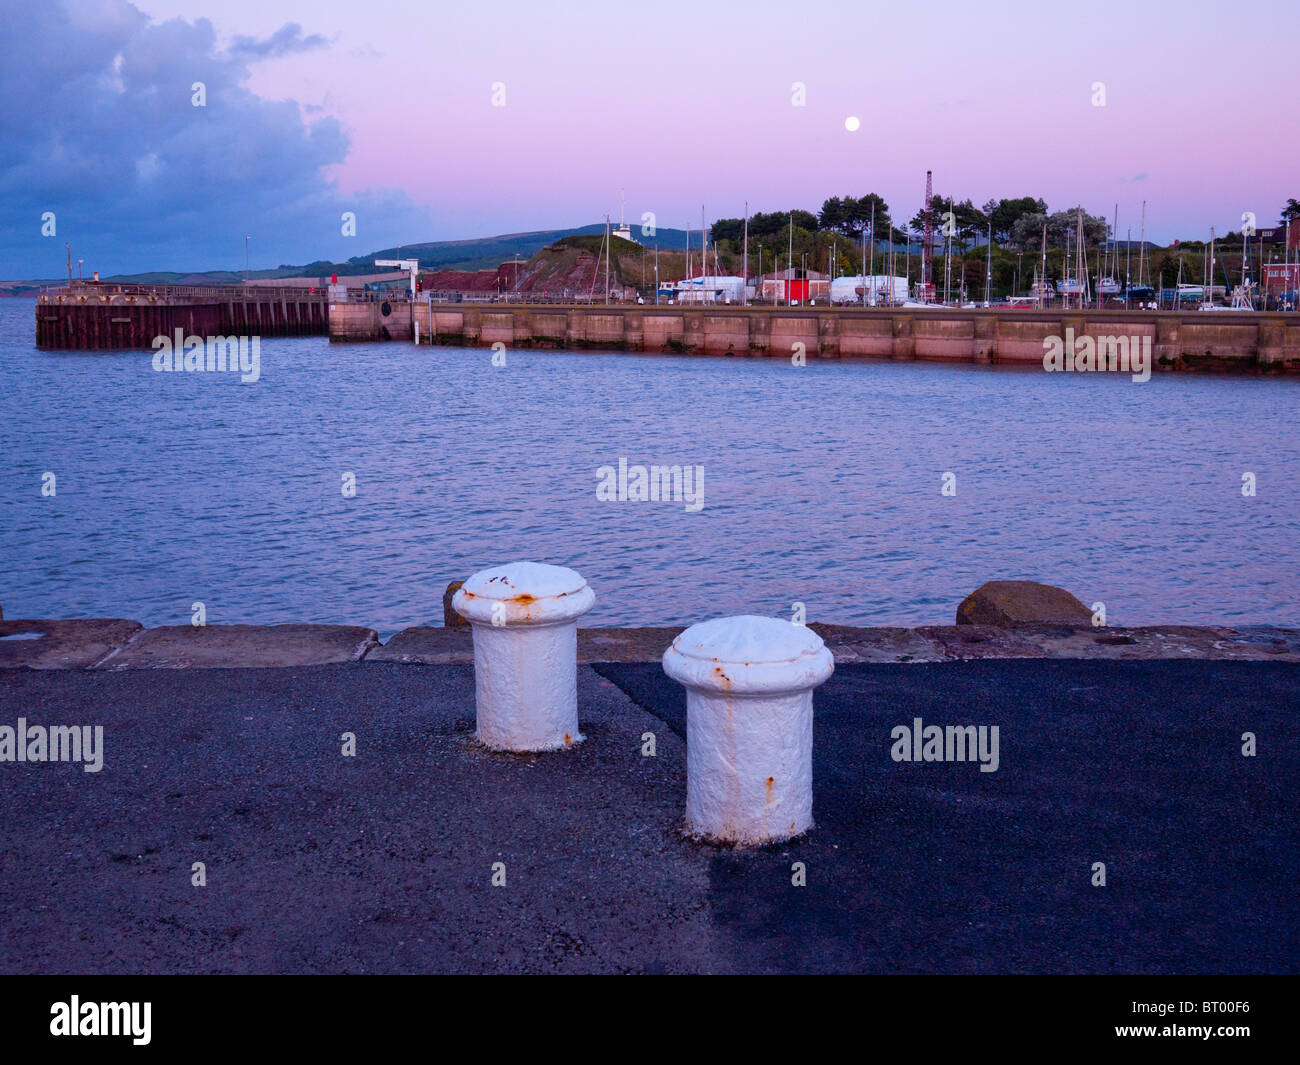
(735, 753)
(525, 623)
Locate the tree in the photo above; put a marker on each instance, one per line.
(851, 217)
(968, 219)
(1027, 232)
(763, 225)
(832, 215)
(729, 229)
(1004, 214)
(1095, 228)
(1291, 212)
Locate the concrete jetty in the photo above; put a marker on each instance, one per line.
(307, 799)
(103, 317)
(425, 852)
(1244, 341)
(116, 644)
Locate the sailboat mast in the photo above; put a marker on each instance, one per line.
(988, 277)
(704, 253)
(1065, 269)
(1114, 241)
(1142, 245)
(1081, 252)
(1128, 262)
(947, 254)
(872, 237)
(789, 262)
(1042, 291)
(744, 287)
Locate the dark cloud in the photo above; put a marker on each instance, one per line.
(287, 39)
(98, 126)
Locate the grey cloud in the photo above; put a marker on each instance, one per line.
(287, 39)
(99, 128)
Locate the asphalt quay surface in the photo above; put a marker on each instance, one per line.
(383, 862)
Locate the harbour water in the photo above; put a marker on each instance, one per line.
(822, 485)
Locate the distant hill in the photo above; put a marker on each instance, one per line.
(480, 253)
(572, 265)
(487, 253)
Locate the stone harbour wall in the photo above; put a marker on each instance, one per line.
(1242, 341)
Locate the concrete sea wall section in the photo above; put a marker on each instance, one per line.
(114, 644)
(1243, 341)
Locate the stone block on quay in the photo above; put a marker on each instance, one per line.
(1203, 643)
(851, 643)
(625, 645)
(77, 643)
(966, 643)
(242, 647)
(428, 645)
(1007, 604)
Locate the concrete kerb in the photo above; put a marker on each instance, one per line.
(118, 644)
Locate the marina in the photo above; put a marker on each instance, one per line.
(691, 489)
(822, 484)
(88, 317)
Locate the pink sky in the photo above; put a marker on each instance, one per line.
(682, 104)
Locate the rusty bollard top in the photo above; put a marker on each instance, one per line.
(523, 593)
(748, 655)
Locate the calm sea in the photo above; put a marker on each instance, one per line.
(821, 485)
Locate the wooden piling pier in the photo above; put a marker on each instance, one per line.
(102, 317)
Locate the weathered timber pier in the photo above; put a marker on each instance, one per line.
(96, 316)
(1246, 341)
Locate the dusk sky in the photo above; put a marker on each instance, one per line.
(386, 109)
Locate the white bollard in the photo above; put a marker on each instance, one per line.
(749, 683)
(524, 617)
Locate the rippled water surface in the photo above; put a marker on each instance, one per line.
(822, 485)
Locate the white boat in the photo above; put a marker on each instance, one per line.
(709, 289)
(877, 288)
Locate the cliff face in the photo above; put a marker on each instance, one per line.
(572, 266)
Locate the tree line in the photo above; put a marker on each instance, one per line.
(1017, 223)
